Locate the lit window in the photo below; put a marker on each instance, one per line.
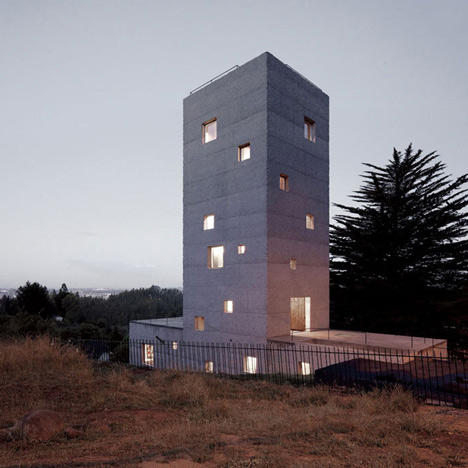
(199, 323)
(174, 345)
(209, 131)
(148, 355)
(243, 152)
(284, 182)
(209, 366)
(309, 129)
(241, 249)
(303, 368)
(229, 307)
(250, 365)
(208, 222)
(310, 221)
(215, 257)
(292, 263)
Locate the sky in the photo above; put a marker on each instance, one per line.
(91, 114)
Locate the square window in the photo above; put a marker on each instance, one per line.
(292, 263)
(241, 249)
(174, 345)
(209, 367)
(228, 307)
(284, 182)
(250, 365)
(310, 221)
(303, 368)
(216, 257)
(209, 131)
(208, 222)
(309, 129)
(243, 152)
(148, 355)
(199, 323)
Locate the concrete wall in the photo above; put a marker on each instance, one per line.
(290, 98)
(262, 103)
(215, 182)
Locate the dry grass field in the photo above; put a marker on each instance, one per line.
(148, 419)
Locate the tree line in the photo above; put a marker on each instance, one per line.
(399, 254)
(34, 310)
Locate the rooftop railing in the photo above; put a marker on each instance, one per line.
(214, 79)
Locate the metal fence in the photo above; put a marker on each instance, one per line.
(434, 378)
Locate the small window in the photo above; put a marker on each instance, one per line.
(243, 152)
(199, 323)
(303, 368)
(241, 249)
(310, 221)
(228, 307)
(209, 131)
(208, 222)
(250, 365)
(148, 354)
(174, 345)
(216, 257)
(292, 263)
(284, 182)
(209, 366)
(309, 129)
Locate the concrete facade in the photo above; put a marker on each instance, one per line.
(264, 104)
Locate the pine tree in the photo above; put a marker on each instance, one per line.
(403, 247)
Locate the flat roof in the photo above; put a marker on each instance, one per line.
(361, 340)
(172, 322)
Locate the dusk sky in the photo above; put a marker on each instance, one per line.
(91, 114)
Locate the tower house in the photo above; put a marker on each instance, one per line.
(256, 205)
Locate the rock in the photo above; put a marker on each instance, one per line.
(40, 425)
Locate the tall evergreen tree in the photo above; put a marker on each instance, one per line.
(403, 247)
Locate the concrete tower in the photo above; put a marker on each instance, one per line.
(256, 205)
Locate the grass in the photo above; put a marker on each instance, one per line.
(131, 415)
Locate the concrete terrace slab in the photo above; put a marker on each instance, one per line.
(367, 341)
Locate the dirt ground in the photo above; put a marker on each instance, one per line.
(102, 446)
(149, 418)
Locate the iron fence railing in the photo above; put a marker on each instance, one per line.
(434, 378)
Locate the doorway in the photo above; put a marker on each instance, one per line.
(300, 313)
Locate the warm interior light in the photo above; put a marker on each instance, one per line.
(208, 222)
(250, 365)
(148, 354)
(300, 313)
(215, 257)
(244, 152)
(284, 182)
(310, 221)
(229, 307)
(303, 368)
(199, 323)
(241, 249)
(309, 129)
(209, 131)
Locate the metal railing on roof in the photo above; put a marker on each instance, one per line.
(302, 76)
(214, 79)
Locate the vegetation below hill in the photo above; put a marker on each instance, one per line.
(129, 416)
(35, 311)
